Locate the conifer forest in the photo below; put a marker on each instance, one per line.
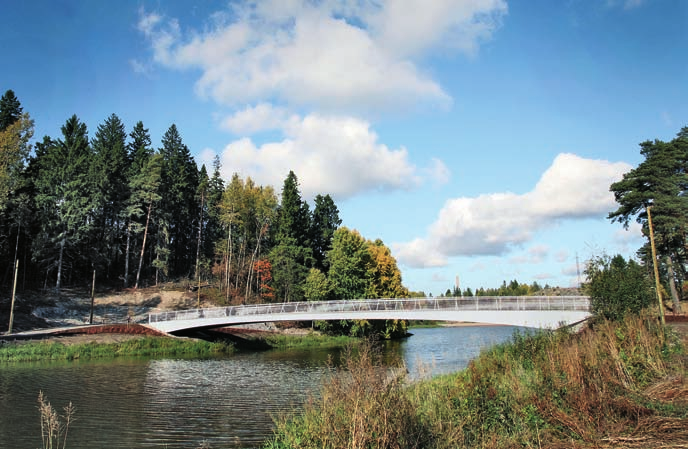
(140, 214)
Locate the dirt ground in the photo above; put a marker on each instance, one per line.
(119, 314)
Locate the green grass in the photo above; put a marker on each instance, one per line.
(424, 324)
(310, 340)
(139, 347)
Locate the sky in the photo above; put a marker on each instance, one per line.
(476, 138)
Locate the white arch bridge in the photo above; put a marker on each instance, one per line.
(546, 312)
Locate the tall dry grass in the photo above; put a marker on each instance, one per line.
(612, 385)
(362, 405)
(54, 427)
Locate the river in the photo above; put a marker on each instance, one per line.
(173, 403)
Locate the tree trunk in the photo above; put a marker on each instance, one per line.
(228, 256)
(126, 259)
(198, 245)
(59, 268)
(143, 246)
(672, 285)
(250, 272)
(240, 262)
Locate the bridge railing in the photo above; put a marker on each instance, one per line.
(479, 303)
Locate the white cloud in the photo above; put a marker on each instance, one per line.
(340, 156)
(491, 224)
(456, 24)
(628, 240)
(437, 172)
(337, 55)
(257, 118)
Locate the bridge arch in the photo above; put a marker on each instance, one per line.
(528, 311)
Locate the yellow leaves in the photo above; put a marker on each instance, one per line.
(14, 148)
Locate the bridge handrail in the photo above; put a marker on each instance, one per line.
(479, 303)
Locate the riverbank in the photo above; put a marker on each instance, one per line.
(118, 340)
(134, 346)
(612, 385)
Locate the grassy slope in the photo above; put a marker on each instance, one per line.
(614, 385)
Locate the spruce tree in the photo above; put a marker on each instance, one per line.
(145, 194)
(110, 169)
(139, 154)
(324, 222)
(179, 184)
(65, 199)
(139, 147)
(10, 110)
(291, 256)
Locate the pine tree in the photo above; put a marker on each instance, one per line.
(659, 182)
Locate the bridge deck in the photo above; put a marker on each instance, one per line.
(529, 311)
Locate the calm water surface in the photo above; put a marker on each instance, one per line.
(228, 402)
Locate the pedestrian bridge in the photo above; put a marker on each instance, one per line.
(545, 312)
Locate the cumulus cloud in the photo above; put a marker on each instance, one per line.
(253, 119)
(338, 155)
(338, 55)
(491, 224)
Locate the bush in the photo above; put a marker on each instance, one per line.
(617, 287)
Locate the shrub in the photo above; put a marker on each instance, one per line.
(617, 287)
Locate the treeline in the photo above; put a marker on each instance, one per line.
(513, 288)
(139, 216)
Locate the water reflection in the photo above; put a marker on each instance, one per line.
(229, 402)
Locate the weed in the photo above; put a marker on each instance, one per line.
(54, 427)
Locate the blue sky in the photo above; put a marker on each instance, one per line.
(476, 138)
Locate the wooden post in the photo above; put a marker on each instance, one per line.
(93, 296)
(14, 290)
(654, 263)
